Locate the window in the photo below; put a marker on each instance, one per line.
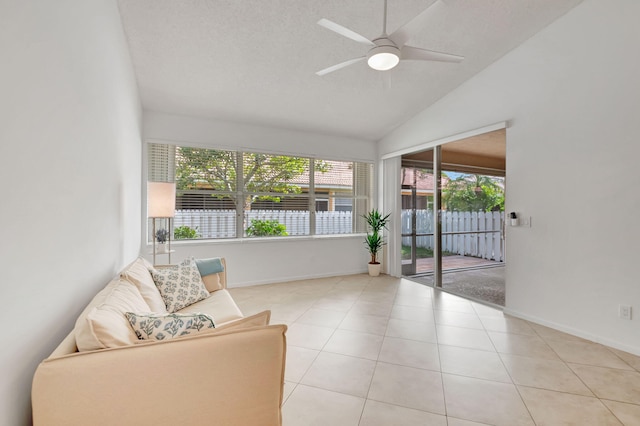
(322, 205)
(233, 194)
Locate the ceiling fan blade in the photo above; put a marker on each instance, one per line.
(403, 34)
(408, 52)
(340, 65)
(346, 32)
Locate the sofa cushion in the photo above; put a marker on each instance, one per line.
(219, 305)
(180, 285)
(157, 326)
(102, 324)
(212, 282)
(138, 274)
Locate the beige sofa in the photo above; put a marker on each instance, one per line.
(230, 375)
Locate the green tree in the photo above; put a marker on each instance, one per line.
(198, 168)
(473, 193)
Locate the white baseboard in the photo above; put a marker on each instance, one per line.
(297, 278)
(575, 332)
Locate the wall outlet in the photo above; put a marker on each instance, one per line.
(624, 312)
(525, 221)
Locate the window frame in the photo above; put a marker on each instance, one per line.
(358, 198)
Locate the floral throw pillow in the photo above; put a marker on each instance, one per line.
(152, 326)
(180, 285)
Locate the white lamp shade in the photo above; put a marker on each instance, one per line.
(161, 199)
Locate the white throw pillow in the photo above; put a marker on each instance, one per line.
(155, 326)
(180, 285)
(138, 274)
(102, 324)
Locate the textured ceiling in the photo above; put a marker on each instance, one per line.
(254, 61)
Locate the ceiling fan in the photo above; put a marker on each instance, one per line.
(387, 51)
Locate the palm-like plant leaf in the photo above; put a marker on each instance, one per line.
(374, 243)
(376, 221)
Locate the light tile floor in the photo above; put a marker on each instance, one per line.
(392, 352)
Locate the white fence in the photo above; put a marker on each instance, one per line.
(476, 240)
(476, 234)
(222, 223)
(208, 223)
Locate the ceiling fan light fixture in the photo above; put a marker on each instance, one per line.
(387, 50)
(383, 58)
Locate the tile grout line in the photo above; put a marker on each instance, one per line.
(444, 394)
(535, 332)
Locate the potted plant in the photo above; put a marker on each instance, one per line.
(161, 237)
(374, 240)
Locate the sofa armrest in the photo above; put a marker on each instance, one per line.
(67, 346)
(231, 377)
(223, 274)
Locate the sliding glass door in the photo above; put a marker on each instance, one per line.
(418, 236)
(453, 217)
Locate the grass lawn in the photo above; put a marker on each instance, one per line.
(422, 252)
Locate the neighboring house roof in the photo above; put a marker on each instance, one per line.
(339, 174)
(424, 182)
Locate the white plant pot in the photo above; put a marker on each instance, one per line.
(162, 248)
(374, 269)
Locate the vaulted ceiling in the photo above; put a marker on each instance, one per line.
(254, 61)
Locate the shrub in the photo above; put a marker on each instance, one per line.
(184, 233)
(262, 228)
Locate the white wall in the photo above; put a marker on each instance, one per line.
(572, 96)
(70, 164)
(266, 261)
(225, 134)
(251, 262)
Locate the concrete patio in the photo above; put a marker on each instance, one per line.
(478, 279)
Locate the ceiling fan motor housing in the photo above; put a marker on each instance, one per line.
(384, 56)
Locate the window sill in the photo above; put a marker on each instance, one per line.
(259, 240)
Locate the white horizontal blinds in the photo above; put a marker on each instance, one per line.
(161, 162)
(363, 190)
(161, 168)
(231, 194)
(276, 195)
